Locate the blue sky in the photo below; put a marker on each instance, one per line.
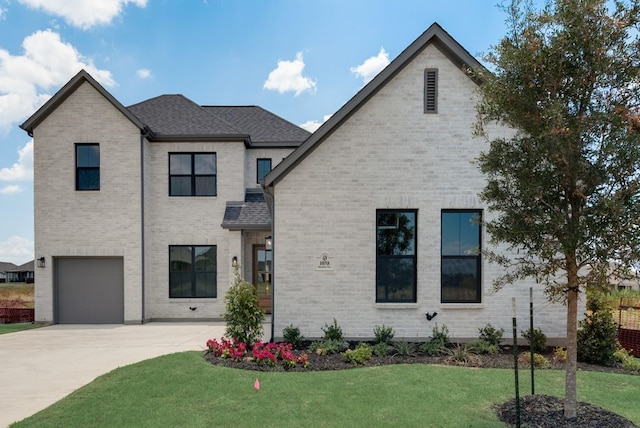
(299, 59)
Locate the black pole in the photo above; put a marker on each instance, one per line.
(533, 389)
(515, 360)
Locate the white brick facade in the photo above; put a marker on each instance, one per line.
(388, 154)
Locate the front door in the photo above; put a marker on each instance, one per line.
(262, 276)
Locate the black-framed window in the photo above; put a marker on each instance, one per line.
(192, 174)
(431, 90)
(263, 166)
(88, 166)
(461, 256)
(396, 261)
(192, 271)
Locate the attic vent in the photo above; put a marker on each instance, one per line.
(431, 90)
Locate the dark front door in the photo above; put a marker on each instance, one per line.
(262, 276)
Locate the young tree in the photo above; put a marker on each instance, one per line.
(565, 185)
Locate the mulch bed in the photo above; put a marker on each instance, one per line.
(536, 411)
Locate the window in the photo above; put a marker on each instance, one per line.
(87, 167)
(192, 271)
(431, 90)
(263, 168)
(192, 174)
(460, 257)
(396, 232)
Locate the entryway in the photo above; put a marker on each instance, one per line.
(262, 269)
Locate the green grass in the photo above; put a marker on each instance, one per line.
(12, 328)
(184, 390)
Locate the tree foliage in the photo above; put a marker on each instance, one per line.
(565, 185)
(243, 315)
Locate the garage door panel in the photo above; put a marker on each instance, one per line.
(89, 290)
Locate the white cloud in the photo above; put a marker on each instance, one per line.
(313, 125)
(16, 250)
(287, 77)
(46, 63)
(11, 189)
(371, 66)
(3, 12)
(23, 169)
(144, 73)
(83, 14)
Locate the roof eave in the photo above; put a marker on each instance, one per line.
(198, 137)
(63, 93)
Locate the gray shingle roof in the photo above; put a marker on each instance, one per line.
(252, 213)
(173, 115)
(7, 267)
(262, 125)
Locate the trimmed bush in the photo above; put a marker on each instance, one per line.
(383, 334)
(360, 355)
(538, 338)
(243, 314)
(292, 335)
(491, 335)
(333, 332)
(597, 336)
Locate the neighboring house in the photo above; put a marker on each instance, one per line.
(374, 215)
(141, 211)
(4, 268)
(22, 273)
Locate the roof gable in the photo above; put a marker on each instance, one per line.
(435, 35)
(54, 102)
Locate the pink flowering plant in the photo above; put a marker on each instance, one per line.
(262, 353)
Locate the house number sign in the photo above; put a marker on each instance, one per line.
(324, 262)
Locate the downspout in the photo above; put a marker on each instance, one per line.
(270, 199)
(143, 135)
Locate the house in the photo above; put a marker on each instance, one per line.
(22, 273)
(4, 268)
(141, 212)
(376, 214)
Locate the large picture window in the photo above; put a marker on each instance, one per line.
(192, 271)
(460, 256)
(192, 174)
(87, 167)
(396, 232)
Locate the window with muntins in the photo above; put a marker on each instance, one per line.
(88, 166)
(461, 256)
(431, 90)
(263, 167)
(192, 271)
(192, 174)
(396, 262)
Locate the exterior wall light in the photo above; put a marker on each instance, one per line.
(234, 261)
(268, 243)
(41, 262)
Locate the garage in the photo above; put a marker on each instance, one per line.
(89, 290)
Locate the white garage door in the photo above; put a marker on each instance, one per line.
(89, 290)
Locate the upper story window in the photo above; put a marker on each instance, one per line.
(192, 174)
(263, 167)
(88, 166)
(431, 90)
(396, 262)
(460, 256)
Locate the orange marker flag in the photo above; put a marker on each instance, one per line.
(256, 384)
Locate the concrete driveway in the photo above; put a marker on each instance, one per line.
(39, 367)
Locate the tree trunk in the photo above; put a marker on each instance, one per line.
(570, 400)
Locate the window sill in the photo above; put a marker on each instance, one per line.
(191, 299)
(396, 306)
(462, 306)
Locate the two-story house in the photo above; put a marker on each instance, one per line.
(142, 212)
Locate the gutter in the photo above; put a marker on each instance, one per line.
(269, 197)
(145, 132)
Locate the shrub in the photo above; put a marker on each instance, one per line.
(383, 334)
(538, 338)
(538, 360)
(433, 348)
(243, 314)
(461, 354)
(326, 347)
(381, 349)
(226, 348)
(491, 335)
(333, 332)
(597, 337)
(292, 335)
(626, 360)
(560, 354)
(484, 347)
(404, 348)
(360, 355)
(440, 335)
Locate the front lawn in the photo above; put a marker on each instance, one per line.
(12, 328)
(184, 390)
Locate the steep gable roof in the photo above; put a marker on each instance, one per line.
(266, 129)
(41, 114)
(176, 116)
(435, 35)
